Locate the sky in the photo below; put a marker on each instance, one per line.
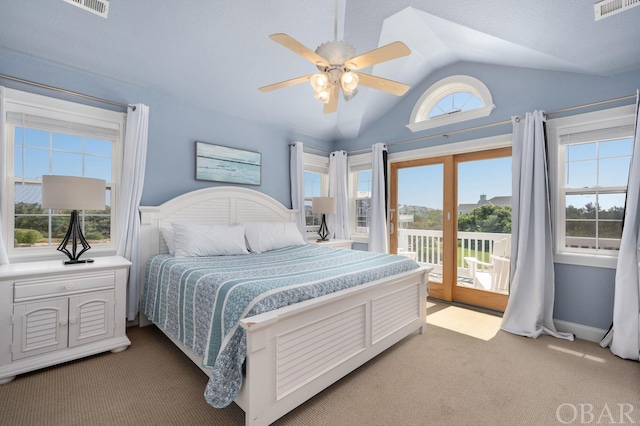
(423, 186)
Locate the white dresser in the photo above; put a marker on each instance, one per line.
(52, 313)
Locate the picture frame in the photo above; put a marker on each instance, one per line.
(219, 163)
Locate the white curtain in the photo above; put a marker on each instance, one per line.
(339, 222)
(296, 170)
(378, 241)
(530, 308)
(624, 336)
(4, 259)
(131, 184)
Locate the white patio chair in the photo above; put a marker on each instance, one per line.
(492, 275)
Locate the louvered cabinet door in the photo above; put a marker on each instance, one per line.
(52, 313)
(40, 327)
(91, 317)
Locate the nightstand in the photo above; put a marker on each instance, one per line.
(335, 243)
(52, 313)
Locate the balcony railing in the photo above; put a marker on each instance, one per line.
(426, 247)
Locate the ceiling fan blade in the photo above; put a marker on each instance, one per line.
(380, 83)
(385, 53)
(299, 48)
(285, 83)
(332, 105)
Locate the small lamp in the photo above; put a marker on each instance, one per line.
(323, 205)
(73, 193)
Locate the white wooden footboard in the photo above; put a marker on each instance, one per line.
(295, 352)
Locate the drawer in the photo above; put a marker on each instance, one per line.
(62, 286)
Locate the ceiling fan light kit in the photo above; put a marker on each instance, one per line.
(336, 62)
(319, 82)
(349, 81)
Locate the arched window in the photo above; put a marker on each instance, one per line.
(451, 100)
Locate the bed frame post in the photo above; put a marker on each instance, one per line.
(149, 246)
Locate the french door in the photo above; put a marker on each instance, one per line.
(454, 213)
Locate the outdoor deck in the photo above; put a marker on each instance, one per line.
(425, 246)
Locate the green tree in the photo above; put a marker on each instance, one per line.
(431, 220)
(27, 236)
(97, 225)
(486, 218)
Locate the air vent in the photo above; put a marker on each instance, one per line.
(99, 7)
(606, 8)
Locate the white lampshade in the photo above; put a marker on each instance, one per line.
(349, 81)
(73, 193)
(324, 205)
(319, 82)
(323, 96)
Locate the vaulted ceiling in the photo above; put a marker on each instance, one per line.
(216, 54)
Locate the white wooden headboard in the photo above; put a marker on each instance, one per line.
(220, 205)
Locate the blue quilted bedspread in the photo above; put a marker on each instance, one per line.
(199, 300)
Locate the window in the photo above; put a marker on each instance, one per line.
(312, 188)
(592, 158)
(316, 184)
(451, 100)
(360, 186)
(363, 201)
(48, 136)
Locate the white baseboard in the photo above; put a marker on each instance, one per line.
(583, 332)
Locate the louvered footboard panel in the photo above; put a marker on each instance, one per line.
(394, 311)
(311, 350)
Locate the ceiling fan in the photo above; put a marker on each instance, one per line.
(337, 62)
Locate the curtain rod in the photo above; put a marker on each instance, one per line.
(310, 148)
(498, 123)
(68, 92)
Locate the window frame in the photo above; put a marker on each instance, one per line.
(355, 164)
(16, 101)
(443, 88)
(316, 164)
(609, 120)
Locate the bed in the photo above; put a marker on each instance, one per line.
(293, 352)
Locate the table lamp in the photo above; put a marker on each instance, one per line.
(73, 193)
(324, 206)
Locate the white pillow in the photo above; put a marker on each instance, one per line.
(167, 234)
(192, 240)
(266, 236)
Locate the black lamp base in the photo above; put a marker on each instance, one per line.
(74, 261)
(324, 231)
(74, 234)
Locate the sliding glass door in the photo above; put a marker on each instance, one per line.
(454, 213)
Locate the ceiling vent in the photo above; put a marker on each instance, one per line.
(99, 7)
(606, 8)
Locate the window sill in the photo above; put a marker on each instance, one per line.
(451, 119)
(586, 260)
(52, 254)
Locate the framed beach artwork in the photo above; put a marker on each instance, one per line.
(223, 164)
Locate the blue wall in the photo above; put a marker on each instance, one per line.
(515, 91)
(584, 295)
(174, 126)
